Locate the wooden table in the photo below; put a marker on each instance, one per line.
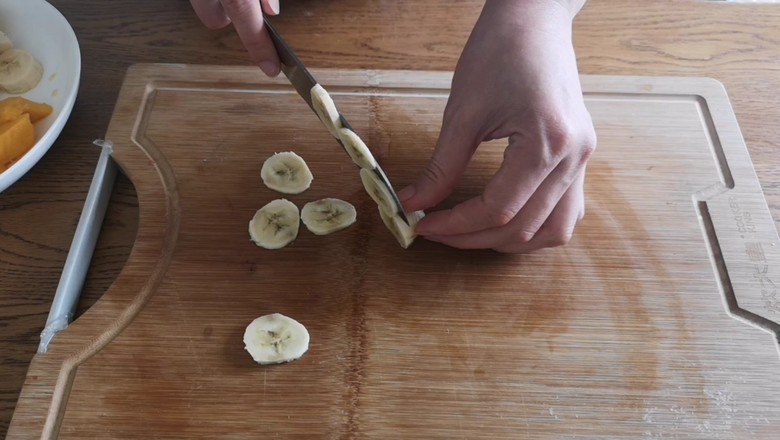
(736, 44)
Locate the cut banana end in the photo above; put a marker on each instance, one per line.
(326, 109)
(401, 231)
(378, 191)
(275, 225)
(357, 149)
(329, 215)
(275, 338)
(5, 42)
(19, 71)
(287, 173)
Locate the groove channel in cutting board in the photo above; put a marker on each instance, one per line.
(625, 333)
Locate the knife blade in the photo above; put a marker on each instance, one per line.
(303, 81)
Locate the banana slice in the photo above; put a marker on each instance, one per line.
(326, 109)
(378, 191)
(287, 173)
(5, 42)
(329, 215)
(401, 231)
(275, 225)
(275, 338)
(19, 71)
(357, 149)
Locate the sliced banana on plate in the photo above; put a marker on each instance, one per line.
(19, 71)
(402, 232)
(275, 338)
(5, 42)
(326, 109)
(357, 149)
(328, 215)
(275, 225)
(378, 191)
(287, 173)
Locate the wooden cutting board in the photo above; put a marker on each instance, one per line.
(659, 320)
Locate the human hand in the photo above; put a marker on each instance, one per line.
(517, 78)
(247, 18)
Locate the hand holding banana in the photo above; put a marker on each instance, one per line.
(517, 78)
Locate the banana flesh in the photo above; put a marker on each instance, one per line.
(5, 42)
(19, 71)
(376, 188)
(401, 231)
(357, 149)
(326, 216)
(326, 109)
(275, 339)
(275, 225)
(287, 173)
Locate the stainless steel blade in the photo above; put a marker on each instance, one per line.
(303, 81)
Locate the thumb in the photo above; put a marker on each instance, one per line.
(454, 149)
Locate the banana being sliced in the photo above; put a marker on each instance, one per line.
(275, 225)
(326, 109)
(378, 191)
(328, 215)
(287, 173)
(401, 231)
(275, 338)
(5, 42)
(19, 71)
(357, 149)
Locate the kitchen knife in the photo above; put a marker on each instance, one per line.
(302, 80)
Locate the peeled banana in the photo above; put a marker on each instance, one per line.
(276, 338)
(328, 215)
(19, 71)
(378, 191)
(402, 232)
(275, 225)
(287, 173)
(357, 149)
(326, 110)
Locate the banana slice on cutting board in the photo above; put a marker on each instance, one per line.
(5, 42)
(287, 173)
(378, 191)
(325, 216)
(275, 225)
(357, 149)
(326, 109)
(275, 338)
(19, 71)
(401, 231)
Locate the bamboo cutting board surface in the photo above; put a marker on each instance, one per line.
(658, 320)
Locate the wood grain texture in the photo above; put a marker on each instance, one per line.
(625, 333)
(736, 44)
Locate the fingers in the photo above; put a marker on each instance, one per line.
(247, 16)
(559, 227)
(211, 13)
(454, 149)
(270, 7)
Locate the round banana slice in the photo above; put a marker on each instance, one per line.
(275, 338)
(357, 149)
(378, 191)
(287, 173)
(326, 109)
(275, 225)
(5, 42)
(401, 231)
(19, 71)
(329, 215)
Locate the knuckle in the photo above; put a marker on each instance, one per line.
(436, 174)
(525, 236)
(561, 237)
(501, 216)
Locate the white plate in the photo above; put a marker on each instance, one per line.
(37, 27)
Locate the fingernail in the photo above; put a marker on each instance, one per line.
(406, 193)
(274, 4)
(269, 68)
